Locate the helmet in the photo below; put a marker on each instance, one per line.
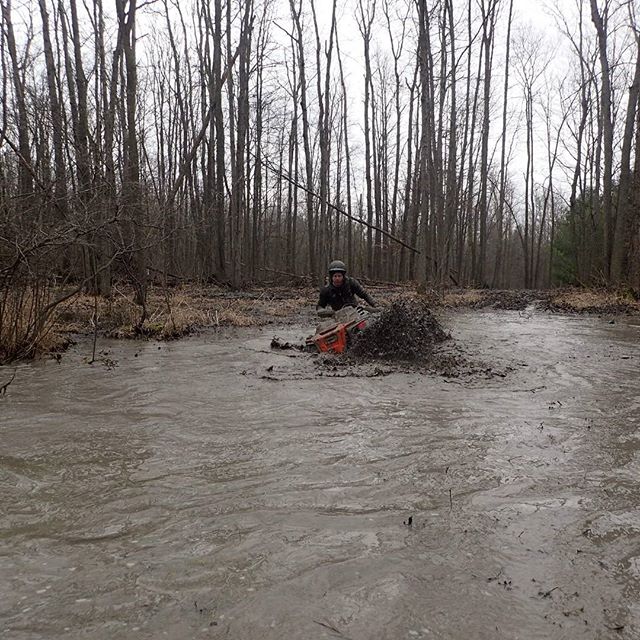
(337, 266)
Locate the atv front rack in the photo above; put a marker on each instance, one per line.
(332, 336)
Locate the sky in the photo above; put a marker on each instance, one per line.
(531, 17)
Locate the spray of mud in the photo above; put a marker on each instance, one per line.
(405, 337)
(406, 332)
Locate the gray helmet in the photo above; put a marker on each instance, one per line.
(337, 266)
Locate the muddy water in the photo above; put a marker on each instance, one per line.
(185, 490)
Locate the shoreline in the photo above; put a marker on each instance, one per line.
(178, 311)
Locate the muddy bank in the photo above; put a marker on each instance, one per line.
(171, 313)
(567, 300)
(174, 312)
(179, 310)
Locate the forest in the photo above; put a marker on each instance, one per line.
(442, 143)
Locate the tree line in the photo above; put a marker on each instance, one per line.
(243, 141)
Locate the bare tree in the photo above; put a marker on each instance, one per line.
(623, 231)
(489, 11)
(365, 20)
(503, 148)
(295, 15)
(600, 20)
(23, 151)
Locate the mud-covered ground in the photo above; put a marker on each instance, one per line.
(173, 312)
(214, 487)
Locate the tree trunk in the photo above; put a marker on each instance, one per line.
(365, 22)
(600, 22)
(295, 15)
(623, 232)
(25, 169)
(503, 168)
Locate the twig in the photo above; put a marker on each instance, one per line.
(496, 576)
(95, 324)
(289, 34)
(328, 626)
(3, 388)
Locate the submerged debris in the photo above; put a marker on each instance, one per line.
(284, 345)
(406, 331)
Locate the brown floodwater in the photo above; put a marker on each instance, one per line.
(213, 488)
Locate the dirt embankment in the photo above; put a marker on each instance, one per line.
(177, 311)
(567, 300)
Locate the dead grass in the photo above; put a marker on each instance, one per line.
(25, 332)
(178, 311)
(581, 300)
(463, 298)
(285, 308)
(234, 316)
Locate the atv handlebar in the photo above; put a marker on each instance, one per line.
(328, 312)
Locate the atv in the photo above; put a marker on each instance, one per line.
(334, 334)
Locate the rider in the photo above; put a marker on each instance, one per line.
(341, 290)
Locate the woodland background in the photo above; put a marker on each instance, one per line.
(235, 142)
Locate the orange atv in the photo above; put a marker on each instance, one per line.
(334, 334)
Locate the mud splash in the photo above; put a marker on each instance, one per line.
(407, 337)
(406, 331)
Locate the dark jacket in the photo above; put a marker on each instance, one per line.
(338, 297)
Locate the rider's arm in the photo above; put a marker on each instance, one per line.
(323, 300)
(359, 290)
(323, 308)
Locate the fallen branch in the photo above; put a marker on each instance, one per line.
(328, 626)
(286, 273)
(269, 166)
(166, 274)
